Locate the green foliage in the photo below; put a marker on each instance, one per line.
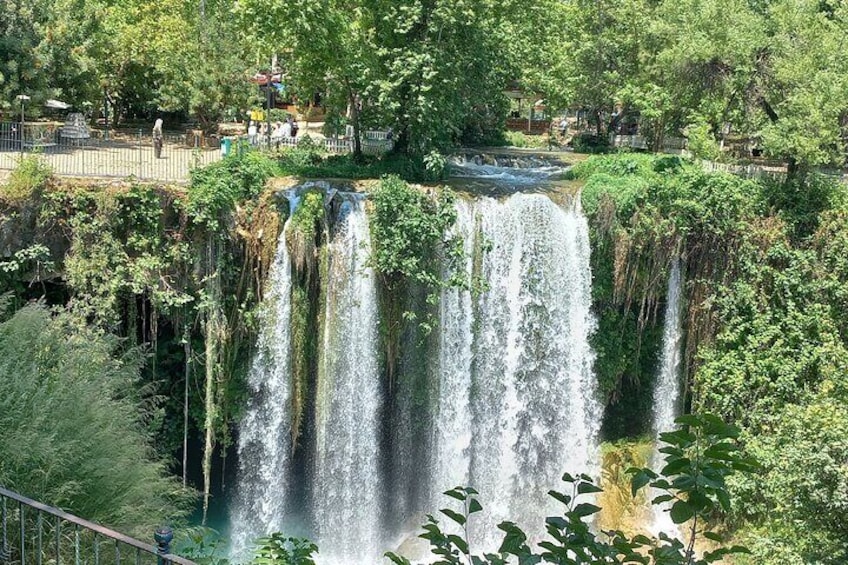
(800, 201)
(406, 226)
(765, 339)
(702, 142)
(200, 544)
(777, 369)
(32, 262)
(619, 165)
(71, 430)
(308, 215)
(278, 549)
(698, 460)
(217, 188)
(586, 142)
(27, 181)
(522, 140)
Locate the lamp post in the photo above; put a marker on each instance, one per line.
(23, 98)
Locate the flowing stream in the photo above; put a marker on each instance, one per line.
(667, 392)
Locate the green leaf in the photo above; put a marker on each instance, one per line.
(713, 536)
(453, 515)
(681, 511)
(585, 509)
(564, 498)
(460, 543)
(588, 488)
(455, 493)
(639, 480)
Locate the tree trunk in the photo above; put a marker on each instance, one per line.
(354, 117)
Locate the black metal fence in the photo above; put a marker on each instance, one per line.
(107, 154)
(32, 533)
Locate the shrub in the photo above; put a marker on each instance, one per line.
(586, 142)
(28, 180)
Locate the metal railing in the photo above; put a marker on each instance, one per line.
(132, 154)
(36, 534)
(123, 154)
(669, 144)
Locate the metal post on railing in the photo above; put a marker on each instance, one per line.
(140, 153)
(22, 521)
(163, 537)
(5, 554)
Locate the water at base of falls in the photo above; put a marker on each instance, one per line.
(667, 391)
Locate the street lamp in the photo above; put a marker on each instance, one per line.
(23, 98)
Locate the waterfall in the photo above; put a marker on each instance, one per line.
(667, 390)
(347, 485)
(452, 424)
(532, 411)
(264, 439)
(511, 401)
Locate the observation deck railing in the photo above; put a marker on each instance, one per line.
(32, 533)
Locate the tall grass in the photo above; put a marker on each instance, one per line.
(72, 425)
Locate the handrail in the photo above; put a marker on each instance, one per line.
(102, 530)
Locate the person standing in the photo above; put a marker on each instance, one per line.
(157, 138)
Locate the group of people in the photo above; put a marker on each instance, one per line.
(256, 131)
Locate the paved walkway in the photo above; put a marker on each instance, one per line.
(121, 160)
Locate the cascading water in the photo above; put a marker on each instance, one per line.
(667, 391)
(513, 403)
(347, 481)
(452, 423)
(264, 440)
(526, 172)
(531, 412)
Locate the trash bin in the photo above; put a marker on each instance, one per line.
(226, 146)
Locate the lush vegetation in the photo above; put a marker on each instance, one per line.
(71, 428)
(765, 331)
(772, 74)
(150, 264)
(698, 460)
(180, 271)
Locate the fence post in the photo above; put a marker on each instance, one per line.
(163, 537)
(140, 151)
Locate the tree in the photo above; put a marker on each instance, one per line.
(178, 56)
(51, 50)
